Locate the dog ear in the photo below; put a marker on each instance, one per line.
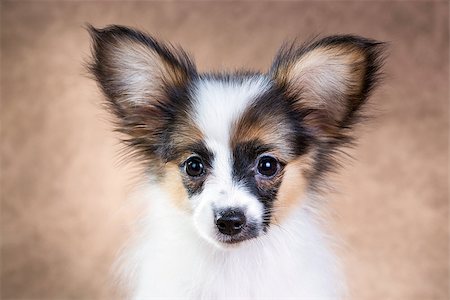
(329, 79)
(139, 76)
(133, 68)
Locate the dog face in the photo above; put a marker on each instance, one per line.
(235, 151)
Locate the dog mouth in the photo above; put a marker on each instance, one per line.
(235, 241)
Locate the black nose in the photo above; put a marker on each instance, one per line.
(231, 221)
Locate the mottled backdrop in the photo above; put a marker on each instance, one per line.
(64, 213)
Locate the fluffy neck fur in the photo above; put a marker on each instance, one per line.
(170, 260)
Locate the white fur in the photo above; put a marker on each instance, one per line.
(218, 104)
(171, 261)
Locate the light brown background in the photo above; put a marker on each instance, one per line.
(64, 214)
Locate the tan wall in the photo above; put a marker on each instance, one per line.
(62, 189)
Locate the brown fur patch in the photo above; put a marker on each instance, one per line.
(270, 130)
(186, 134)
(173, 184)
(293, 186)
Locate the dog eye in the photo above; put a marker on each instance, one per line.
(267, 166)
(195, 167)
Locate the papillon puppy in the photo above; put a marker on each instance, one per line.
(235, 163)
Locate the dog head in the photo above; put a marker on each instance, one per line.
(235, 151)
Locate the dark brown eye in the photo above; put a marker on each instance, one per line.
(195, 167)
(267, 166)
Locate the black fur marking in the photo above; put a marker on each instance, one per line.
(244, 159)
(199, 148)
(245, 155)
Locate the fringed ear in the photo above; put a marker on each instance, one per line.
(330, 79)
(139, 77)
(133, 68)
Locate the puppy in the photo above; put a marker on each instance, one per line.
(235, 163)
